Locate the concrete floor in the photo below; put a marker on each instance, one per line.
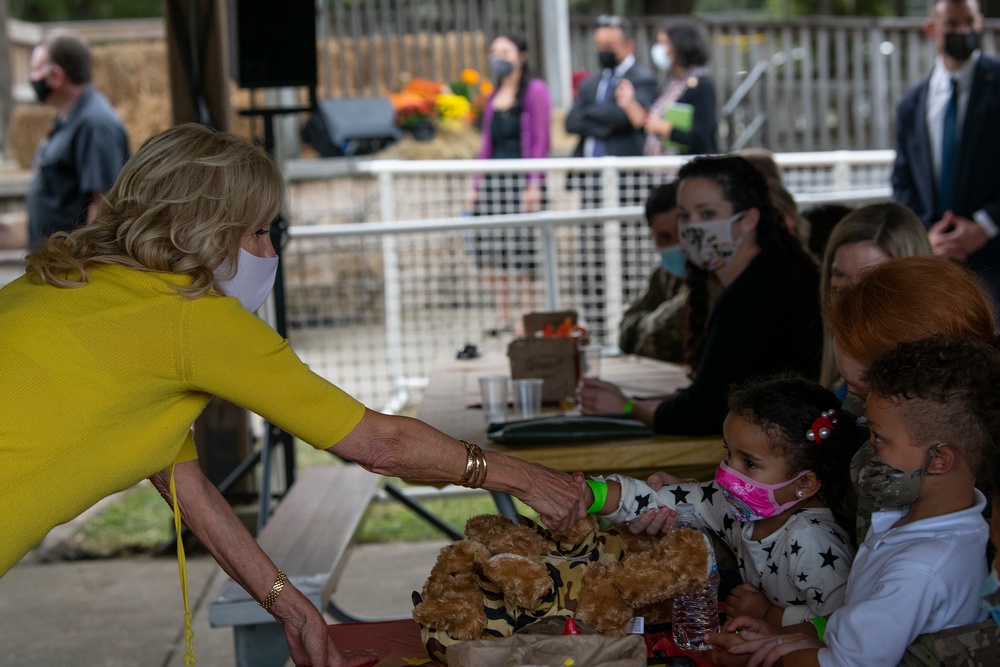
(129, 611)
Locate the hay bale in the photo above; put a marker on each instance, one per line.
(29, 124)
(450, 142)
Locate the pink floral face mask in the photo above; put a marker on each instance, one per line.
(750, 500)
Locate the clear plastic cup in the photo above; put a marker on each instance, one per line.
(493, 391)
(527, 394)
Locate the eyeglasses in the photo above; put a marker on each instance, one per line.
(610, 21)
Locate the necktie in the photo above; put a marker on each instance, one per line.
(606, 95)
(949, 149)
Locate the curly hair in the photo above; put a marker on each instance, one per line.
(785, 406)
(947, 390)
(744, 187)
(181, 204)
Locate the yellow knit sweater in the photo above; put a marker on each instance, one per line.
(100, 385)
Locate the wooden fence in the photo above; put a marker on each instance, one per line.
(830, 83)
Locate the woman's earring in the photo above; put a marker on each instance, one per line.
(798, 494)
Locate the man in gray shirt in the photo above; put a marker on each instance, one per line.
(81, 158)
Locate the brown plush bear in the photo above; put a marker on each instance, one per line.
(505, 577)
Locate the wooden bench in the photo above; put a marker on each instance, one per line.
(307, 537)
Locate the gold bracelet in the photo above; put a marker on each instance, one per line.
(475, 467)
(470, 463)
(482, 466)
(279, 584)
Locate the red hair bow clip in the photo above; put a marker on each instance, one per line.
(822, 426)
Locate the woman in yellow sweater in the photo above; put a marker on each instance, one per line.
(121, 331)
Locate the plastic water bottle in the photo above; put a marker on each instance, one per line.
(698, 613)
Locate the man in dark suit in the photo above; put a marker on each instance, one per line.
(604, 129)
(948, 140)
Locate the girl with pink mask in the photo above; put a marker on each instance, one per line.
(775, 501)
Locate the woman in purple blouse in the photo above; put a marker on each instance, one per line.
(517, 122)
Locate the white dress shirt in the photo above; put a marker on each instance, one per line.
(938, 94)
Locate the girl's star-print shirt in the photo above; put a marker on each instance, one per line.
(802, 566)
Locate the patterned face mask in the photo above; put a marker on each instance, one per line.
(709, 245)
(748, 499)
(882, 485)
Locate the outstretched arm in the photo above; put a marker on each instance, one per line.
(409, 448)
(207, 514)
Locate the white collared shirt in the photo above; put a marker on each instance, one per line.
(938, 94)
(920, 577)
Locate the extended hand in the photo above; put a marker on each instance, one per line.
(309, 642)
(654, 522)
(661, 478)
(558, 498)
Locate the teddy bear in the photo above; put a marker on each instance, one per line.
(505, 577)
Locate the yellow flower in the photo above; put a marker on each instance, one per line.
(470, 76)
(486, 88)
(452, 106)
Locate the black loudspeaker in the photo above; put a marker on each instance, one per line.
(272, 44)
(352, 126)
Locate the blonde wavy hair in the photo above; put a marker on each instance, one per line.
(895, 229)
(180, 205)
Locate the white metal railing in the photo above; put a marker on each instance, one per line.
(385, 270)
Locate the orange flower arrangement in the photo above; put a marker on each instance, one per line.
(415, 103)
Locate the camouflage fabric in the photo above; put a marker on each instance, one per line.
(975, 645)
(880, 483)
(655, 324)
(565, 567)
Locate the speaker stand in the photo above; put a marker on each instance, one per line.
(272, 434)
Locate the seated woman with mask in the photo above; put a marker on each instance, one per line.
(767, 317)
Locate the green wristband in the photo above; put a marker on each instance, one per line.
(820, 624)
(600, 490)
(629, 405)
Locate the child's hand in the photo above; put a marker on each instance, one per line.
(654, 522)
(747, 600)
(660, 479)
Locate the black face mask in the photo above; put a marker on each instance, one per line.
(42, 89)
(501, 68)
(960, 45)
(607, 59)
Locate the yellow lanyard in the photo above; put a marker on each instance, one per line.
(189, 658)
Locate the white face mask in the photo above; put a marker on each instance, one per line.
(709, 245)
(660, 57)
(253, 281)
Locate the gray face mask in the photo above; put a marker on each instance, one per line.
(882, 485)
(501, 67)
